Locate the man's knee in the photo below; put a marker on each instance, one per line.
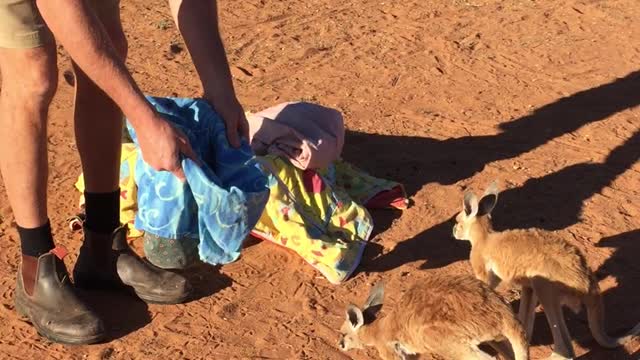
(30, 75)
(43, 80)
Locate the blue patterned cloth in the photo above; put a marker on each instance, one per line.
(220, 202)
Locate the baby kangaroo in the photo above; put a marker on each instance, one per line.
(449, 316)
(543, 264)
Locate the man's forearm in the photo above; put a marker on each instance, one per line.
(84, 38)
(197, 21)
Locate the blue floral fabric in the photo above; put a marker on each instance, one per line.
(220, 202)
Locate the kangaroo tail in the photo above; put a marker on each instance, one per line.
(595, 314)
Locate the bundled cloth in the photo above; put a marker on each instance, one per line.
(311, 136)
(315, 214)
(221, 200)
(303, 197)
(317, 206)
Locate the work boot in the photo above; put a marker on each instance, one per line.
(47, 298)
(107, 262)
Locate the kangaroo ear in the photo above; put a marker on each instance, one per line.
(376, 296)
(373, 305)
(355, 317)
(489, 200)
(470, 204)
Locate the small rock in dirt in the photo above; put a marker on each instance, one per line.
(437, 70)
(228, 311)
(106, 354)
(164, 24)
(176, 48)
(240, 73)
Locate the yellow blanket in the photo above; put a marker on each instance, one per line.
(311, 212)
(310, 215)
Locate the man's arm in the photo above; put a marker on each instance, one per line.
(197, 21)
(86, 41)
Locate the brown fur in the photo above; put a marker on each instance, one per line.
(445, 315)
(543, 263)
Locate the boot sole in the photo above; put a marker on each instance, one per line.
(61, 339)
(130, 290)
(151, 299)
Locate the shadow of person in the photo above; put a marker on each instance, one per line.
(206, 280)
(620, 301)
(435, 246)
(417, 161)
(123, 313)
(551, 202)
(555, 201)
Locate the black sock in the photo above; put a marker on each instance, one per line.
(36, 241)
(102, 211)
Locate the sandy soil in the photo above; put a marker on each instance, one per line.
(542, 95)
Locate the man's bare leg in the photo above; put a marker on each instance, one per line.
(98, 120)
(43, 293)
(29, 78)
(98, 130)
(105, 258)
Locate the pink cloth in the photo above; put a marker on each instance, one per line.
(311, 136)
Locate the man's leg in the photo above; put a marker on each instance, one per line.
(105, 258)
(98, 130)
(29, 78)
(43, 295)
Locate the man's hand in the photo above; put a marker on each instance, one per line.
(233, 115)
(76, 26)
(198, 24)
(161, 145)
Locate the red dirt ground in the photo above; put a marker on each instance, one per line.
(542, 95)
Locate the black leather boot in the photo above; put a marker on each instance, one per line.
(47, 298)
(107, 262)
